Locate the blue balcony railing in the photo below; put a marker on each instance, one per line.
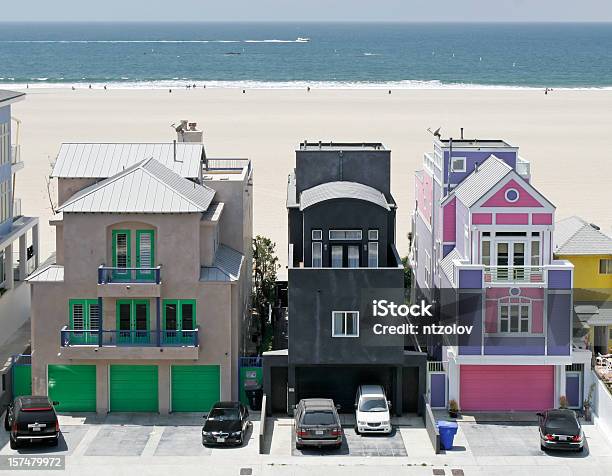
(129, 338)
(108, 275)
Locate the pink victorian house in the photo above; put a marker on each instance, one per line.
(482, 252)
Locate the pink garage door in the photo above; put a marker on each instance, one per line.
(507, 387)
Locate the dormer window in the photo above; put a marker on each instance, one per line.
(458, 164)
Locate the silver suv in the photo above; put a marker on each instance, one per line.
(317, 424)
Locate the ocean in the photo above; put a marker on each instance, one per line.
(297, 55)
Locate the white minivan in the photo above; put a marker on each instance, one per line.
(372, 410)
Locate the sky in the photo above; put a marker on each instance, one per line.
(308, 10)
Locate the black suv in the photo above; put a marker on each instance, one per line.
(226, 424)
(31, 419)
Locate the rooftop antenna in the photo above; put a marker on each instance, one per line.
(435, 133)
(462, 133)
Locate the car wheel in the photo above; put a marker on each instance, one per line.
(54, 441)
(14, 443)
(338, 446)
(542, 447)
(298, 447)
(7, 427)
(356, 430)
(581, 449)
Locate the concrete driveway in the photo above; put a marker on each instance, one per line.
(358, 445)
(133, 435)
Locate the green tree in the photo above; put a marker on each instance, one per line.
(407, 278)
(265, 266)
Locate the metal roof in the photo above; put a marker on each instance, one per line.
(480, 181)
(214, 211)
(226, 266)
(447, 265)
(91, 160)
(575, 236)
(332, 190)
(51, 273)
(146, 187)
(6, 95)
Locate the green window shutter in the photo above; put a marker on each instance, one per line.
(145, 253)
(122, 253)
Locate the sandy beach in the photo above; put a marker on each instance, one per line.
(565, 135)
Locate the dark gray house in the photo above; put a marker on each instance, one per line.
(342, 256)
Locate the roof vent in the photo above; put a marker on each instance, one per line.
(595, 226)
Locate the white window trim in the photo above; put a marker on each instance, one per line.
(344, 313)
(346, 239)
(319, 232)
(372, 235)
(607, 266)
(502, 303)
(455, 169)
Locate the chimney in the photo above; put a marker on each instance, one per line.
(462, 133)
(189, 132)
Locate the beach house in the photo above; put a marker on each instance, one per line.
(144, 306)
(19, 252)
(590, 251)
(342, 256)
(482, 244)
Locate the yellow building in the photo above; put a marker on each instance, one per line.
(590, 251)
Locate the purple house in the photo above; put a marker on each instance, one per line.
(482, 252)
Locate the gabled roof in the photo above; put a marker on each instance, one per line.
(146, 187)
(100, 161)
(480, 181)
(575, 236)
(51, 273)
(6, 95)
(447, 266)
(226, 266)
(332, 190)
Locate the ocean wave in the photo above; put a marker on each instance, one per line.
(182, 83)
(298, 40)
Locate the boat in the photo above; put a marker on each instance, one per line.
(302, 40)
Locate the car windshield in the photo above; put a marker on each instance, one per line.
(566, 425)
(373, 405)
(224, 414)
(318, 417)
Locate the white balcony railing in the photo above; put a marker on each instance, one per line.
(514, 274)
(523, 167)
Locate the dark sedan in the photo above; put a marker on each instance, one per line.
(31, 420)
(226, 424)
(561, 430)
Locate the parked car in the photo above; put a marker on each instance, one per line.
(560, 429)
(317, 423)
(372, 413)
(31, 420)
(226, 424)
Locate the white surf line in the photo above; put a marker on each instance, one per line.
(153, 442)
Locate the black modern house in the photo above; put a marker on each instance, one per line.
(342, 257)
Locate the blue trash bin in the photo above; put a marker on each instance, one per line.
(448, 430)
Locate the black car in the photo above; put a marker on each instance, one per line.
(226, 424)
(31, 420)
(560, 429)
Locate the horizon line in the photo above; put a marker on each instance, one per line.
(465, 22)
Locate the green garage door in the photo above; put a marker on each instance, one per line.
(133, 388)
(195, 387)
(73, 386)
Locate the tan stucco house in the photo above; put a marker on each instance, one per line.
(145, 304)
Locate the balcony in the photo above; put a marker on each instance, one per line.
(523, 168)
(119, 344)
(514, 274)
(129, 282)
